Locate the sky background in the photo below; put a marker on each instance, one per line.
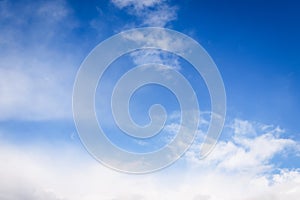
(255, 46)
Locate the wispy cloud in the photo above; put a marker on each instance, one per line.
(158, 13)
(137, 5)
(169, 61)
(149, 12)
(34, 94)
(163, 42)
(35, 70)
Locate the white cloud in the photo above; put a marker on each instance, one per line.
(26, 175)
(138, 5)
(67, 172)
(26, 25)
(34, 93)
(149, 12)
(251, 154)
(154, 56)
(249, 148)
(31, 88)
(36, 73)
(159, 17)
(162, 40)
(243, 127)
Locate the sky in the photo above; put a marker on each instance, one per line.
(254, 45)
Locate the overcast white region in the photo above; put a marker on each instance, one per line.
(36, 71)
(238, 169)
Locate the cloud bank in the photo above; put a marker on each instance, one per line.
(238, 169)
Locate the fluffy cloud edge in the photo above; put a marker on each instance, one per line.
(67, 172)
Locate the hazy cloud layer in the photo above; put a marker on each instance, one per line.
(239, 170)
(36, 71)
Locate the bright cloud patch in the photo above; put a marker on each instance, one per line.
(236, 169)
(249, 148)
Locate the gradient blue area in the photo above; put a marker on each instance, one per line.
(255, 45)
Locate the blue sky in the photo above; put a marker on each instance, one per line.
(255, 47)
